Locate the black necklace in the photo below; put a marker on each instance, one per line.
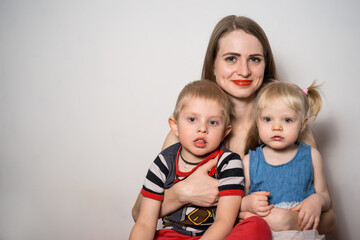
(186, 162)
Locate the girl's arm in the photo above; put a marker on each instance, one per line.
(328, 218)
(311, 208)
(257, 202)
(226, 215)
(198, 189)
(320, 183)
(145, 226)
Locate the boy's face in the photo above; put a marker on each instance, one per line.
(200, 127)
(279, 126)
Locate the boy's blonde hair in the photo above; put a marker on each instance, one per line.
(307, 102)
(208, 90)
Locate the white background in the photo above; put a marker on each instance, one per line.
(86, 88)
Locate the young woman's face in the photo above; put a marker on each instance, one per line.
(240, 64)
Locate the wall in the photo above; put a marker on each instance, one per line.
(86, 88)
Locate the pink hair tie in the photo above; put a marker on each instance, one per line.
(305, 90)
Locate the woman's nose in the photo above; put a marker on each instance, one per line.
(243, 68)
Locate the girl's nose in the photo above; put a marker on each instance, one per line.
(277, 126)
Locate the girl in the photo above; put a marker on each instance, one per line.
(286, 172)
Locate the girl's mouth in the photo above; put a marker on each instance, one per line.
(242, 83)
(277, 138)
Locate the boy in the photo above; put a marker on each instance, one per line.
(201, 120)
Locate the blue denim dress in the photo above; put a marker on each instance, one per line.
(289, 183)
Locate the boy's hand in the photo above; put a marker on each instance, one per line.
(258, 203)
(309, 213)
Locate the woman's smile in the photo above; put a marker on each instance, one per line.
(242, 82)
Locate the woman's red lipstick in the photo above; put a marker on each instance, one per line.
(242, 83)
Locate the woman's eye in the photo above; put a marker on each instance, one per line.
(230, 59)
(213, 123)
(255, 59)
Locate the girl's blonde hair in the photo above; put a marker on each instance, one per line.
(208, 90)
(307, 102)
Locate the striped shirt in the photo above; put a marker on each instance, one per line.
(163, 173)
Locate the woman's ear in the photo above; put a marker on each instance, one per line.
(173, 126)
(227, 131)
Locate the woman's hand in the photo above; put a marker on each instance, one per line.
(199, 189)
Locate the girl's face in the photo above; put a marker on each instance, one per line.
(279, 126)
(240, 64)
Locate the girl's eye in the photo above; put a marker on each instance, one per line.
(266, 119)
(191, 119)
(288, 120)
(230, 59)
(213, 123)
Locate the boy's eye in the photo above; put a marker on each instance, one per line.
(213, 123)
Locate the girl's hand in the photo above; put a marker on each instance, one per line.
(257, 203)
(309, 212)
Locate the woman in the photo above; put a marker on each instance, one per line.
(239, 59)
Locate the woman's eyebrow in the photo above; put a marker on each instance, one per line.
(238, 54)
(232, 53)
(256, 55)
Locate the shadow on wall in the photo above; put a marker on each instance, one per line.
(326, 136)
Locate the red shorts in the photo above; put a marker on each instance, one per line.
(253, 228)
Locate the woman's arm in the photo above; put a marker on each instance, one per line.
(283, 219)
(327, 221)
(198, 189)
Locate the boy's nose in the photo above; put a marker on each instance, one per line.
(202, 128)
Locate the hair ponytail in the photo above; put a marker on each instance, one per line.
(315, 101)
